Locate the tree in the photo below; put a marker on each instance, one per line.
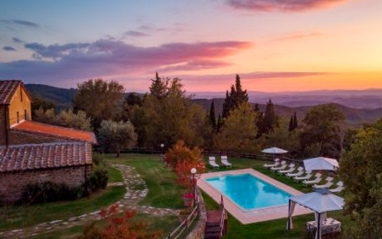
(212, 115)
(133, 99)
(270, 120)
(219, 124)
(159, 87)
(119, 226)
(66, 118)
(100, 100)
(171, 117)
(38, 103)
(234, 98)
(115, 136)
(361, 171)
(282, 137)
(239, 130)
(324, 127)
(293, 123)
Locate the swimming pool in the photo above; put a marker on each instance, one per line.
(249, 192)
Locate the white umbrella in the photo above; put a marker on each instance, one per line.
(320, 202)
(274, 150)
(320, 163)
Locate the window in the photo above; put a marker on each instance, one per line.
(25, 115)
(21, 94)
(18, 117)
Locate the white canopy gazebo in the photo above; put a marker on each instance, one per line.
(274, 150)
(320, 163)
(321, 202)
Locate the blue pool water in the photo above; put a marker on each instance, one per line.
(249, 192)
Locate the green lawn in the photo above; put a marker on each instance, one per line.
(25, 216)
(271, 229)
(164, 224)
(164, 192)
(114, 175)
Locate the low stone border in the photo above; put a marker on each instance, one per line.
(131, 181)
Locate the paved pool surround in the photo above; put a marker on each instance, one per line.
(254, 215)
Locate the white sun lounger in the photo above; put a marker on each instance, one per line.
(328, 184)
(314, 181)
(301, 178)
(212, 162)
(338, 189)
(291, 169)
(224, 160)
(275, 164)
(300, 172)
(281, 167)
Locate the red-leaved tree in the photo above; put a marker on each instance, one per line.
(183, 170)
(119, 226)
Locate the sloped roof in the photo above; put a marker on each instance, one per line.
(7, 90)
(44, 156)
(56, 131)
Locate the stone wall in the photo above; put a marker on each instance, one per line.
(198, 231)
(23, 137)
(13, 184)
(2, 125)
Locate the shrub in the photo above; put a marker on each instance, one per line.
(51, 192)
(179, 152)
(119, 226)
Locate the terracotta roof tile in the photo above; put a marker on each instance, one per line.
(56, 131)
(44, 156)
(7, 89)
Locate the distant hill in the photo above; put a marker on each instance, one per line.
(286, 103)
(60, 96)
(368, 99)
(354, 116)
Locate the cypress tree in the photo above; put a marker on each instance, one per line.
(291, 123)
(219, 124)
(270, 118)
(235, 97)
(295, 121)
(212, 115)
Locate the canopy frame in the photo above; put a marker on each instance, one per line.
(319, 215)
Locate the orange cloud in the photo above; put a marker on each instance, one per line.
(282, 5)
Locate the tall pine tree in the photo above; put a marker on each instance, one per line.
(291, 123)
(235, 97)
(159, 87)
(270, 119)
(212, 115)
(219, 124)
(295, 121)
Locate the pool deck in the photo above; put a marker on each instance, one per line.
(255, 215)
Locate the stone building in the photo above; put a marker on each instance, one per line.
(32, 152)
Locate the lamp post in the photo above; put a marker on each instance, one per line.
(193, 172)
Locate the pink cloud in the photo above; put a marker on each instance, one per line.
(282, 5)
(195, 65)
(108, 57)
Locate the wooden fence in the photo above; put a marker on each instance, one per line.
(186, 224)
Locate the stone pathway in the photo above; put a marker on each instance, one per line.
(136, 190)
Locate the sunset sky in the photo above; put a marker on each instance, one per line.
(275, 45)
